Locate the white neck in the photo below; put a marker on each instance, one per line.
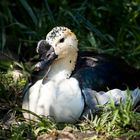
(62, 68)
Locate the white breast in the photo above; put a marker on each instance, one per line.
(62, 100)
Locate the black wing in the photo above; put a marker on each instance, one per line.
(102, 72)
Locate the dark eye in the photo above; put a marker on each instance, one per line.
(61, 40)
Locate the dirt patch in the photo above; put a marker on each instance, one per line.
(66, 134)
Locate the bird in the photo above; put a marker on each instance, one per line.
(67, 84)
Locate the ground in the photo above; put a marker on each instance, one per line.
(118, 123)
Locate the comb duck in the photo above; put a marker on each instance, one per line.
(67, 84)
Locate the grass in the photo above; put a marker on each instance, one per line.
(116, 121)
(105, 27)
(111, 27)
(111, 121)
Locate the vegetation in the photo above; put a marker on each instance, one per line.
(111, 121)
(111, 27)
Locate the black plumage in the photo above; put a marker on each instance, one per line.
(103, 72)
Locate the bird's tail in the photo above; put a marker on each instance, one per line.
(94, 98)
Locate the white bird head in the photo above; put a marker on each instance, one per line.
(60, 42)
(63, 40)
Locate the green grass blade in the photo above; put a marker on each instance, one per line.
(92, 28)
(29, 10)
(49, 12)
(3, 36)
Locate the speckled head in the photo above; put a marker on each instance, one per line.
(60, 42)
(64, 45)
(59, 35)
(56, 32)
